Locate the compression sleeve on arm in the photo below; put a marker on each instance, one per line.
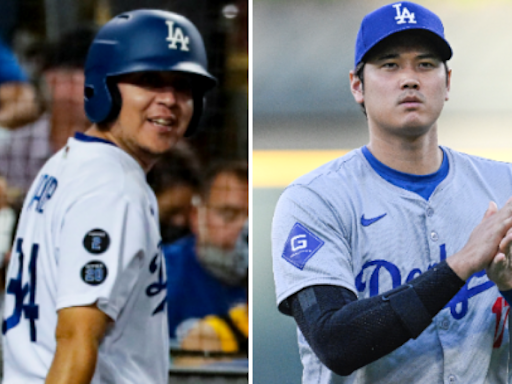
(347, 334)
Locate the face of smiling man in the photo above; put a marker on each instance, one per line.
(156, 110)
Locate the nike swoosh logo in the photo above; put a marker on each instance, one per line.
(367, 222)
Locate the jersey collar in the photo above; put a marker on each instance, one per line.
(91, 139)
(423, 185)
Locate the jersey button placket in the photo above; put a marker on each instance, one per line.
(429, 212)
(452, 379)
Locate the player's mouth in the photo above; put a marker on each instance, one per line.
(410, 101)
(163, 123)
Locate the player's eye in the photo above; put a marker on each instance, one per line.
(427, 64)
(389, 65)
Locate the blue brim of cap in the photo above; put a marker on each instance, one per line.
(445, 50)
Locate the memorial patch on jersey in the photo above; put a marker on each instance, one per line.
(94, 273)
(300, 246)
(96, 241)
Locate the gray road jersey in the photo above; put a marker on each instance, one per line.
(344, 225)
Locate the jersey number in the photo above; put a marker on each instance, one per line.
(15, 287)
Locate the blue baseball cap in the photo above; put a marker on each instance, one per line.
(398, 17)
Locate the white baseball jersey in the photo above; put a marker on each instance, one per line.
(88, 233)
(343, 224)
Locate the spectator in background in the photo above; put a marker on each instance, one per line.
(18, 102)
(175, 180)
(7, 223)
(228, 332)
(205, 273)
(27, 148)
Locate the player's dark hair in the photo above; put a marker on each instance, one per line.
(238, 168)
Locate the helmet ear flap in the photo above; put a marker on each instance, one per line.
(111, 100)
(97, 100)
(117, 101)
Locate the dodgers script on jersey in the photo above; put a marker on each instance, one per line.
(88, 233)
(344, 225)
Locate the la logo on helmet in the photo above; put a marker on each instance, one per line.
(176, 36)
(405, 14)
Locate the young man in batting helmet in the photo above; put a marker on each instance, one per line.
(86, 287)
(381, 255)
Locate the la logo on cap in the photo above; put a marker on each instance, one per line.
(405, 14)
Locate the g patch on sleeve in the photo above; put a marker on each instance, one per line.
(300, 246)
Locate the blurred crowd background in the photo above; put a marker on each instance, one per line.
(201, 185)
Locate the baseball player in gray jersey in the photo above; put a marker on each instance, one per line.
(392, 258)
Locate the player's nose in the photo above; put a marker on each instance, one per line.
(167, 96)
(410, 82)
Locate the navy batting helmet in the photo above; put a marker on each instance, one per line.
(139, 41)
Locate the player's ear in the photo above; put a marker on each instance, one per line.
(448, 84)
(356, 87)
